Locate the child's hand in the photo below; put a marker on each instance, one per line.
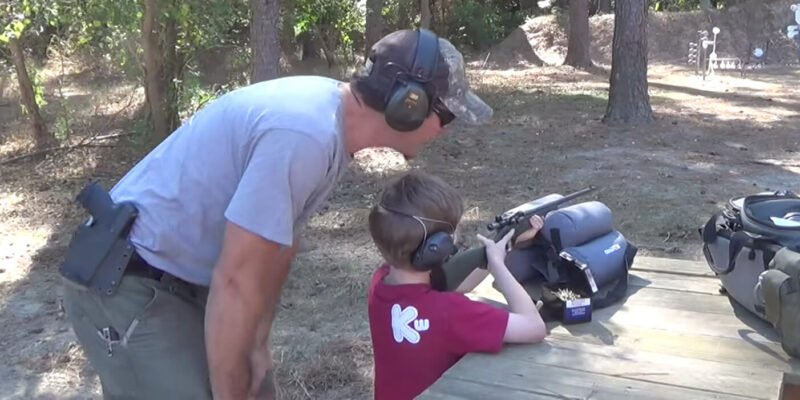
(536, 225)
(496, 252)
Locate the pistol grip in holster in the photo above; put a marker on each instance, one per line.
(99, 250)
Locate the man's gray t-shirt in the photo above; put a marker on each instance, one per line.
(263, 157)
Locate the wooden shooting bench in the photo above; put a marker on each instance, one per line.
(674, 337)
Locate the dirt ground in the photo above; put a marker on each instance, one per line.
(711, 140)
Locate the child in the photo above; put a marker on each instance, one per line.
(417, 332)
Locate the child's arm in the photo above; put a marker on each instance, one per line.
(525, 325)
(478, 275)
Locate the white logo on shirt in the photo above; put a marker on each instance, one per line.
(401, 318)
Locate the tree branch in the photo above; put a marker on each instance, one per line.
(65, 148)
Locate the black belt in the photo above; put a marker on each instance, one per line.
(139, 267)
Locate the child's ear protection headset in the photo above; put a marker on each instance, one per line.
(434, 249)
(408, 103)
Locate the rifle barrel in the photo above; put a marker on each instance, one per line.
(502, 222)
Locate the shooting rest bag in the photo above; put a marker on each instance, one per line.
(752, 246)
(578, 250)
(577, 224)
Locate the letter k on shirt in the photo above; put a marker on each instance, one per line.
(418, 333)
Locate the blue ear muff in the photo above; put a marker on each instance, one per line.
(409, 102)
(433, 252)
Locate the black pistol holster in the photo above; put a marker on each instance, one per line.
(99, 251)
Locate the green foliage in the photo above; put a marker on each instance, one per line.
(674, 5)
(61, 127)
(210, 23)
(333, 21)
(690, 5)
(480, 25)
(400, 14)
(108, 29)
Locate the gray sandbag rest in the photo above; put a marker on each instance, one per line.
(578, 249)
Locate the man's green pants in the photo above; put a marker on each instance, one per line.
(146, 341)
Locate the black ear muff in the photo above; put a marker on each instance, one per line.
(409, 102)
(433, 252)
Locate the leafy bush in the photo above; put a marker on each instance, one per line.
(480, 25)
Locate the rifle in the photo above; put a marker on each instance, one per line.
(458, 267)
(518, 217)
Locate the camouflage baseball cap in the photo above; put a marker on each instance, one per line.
(448, 82)
(459, 99)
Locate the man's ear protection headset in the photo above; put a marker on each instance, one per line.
(408, 103)
(434, 249)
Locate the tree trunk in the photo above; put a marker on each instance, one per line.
(374, 24)
(173, 71)
(328, 39)
(311, 47)
(628, 100)
(527, 5)
(578, 46)
(425, 11)
(42, 138)
(604, 6)
(289, 18)
(443, 21)
(404, 14)
(154, 72)
(707, 8)
(264, 40)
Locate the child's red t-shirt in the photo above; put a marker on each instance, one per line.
(418, 333)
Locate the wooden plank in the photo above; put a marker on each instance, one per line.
(636, 279)
(670, 265)
(683, 283)
(452, 389)
(695, 312)
(495, 377)
(672, 289)
(694, 301)
(618, 317)
(711, 376)
(747, 353)
(674, 327)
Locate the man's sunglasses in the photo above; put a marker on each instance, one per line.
(445, 116)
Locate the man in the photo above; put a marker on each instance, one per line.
(220, 206)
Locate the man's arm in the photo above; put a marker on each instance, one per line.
(245, 289)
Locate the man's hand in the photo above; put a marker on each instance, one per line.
(263, 385)
(245, 289)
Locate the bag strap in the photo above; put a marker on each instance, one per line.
(555, 239)
(738, 241)
(709, 231)
(741, 239)
(621, 289)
